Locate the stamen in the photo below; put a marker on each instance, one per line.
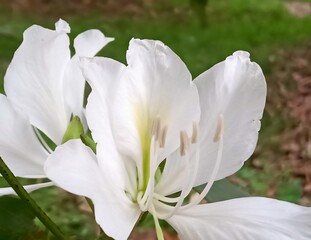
(162, 208)
(219, 128)
(157, 136)
(142, 198)
(162, 138)
(156, 128)
(146, 199)
(184, 143)
(194, 138)
(165, 199)
(131, 184)
(188, 183)
(213, 176)
(140, 178)
(141, 201)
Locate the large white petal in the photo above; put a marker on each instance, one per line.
(75, 168)
(244, 219)
(155, 85)
(103, 76)
(74, 84)
(19, 146)
(235, 88)
(34, 79)
(28, 188)
(87, 44)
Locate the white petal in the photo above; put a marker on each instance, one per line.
(74, 84)
(86, 44)
(28, 188)
(102, 74)
(34, 79)
(244, 219)
(62, 26)
(74, 167)
(19, 146)
(89, 43)
(156, 85)
(235, 88)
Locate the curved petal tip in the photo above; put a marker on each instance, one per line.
(62, 26)
(242, 54)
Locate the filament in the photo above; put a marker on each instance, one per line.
(208, 186)
(219, 137)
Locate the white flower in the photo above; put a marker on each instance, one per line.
(149, 116)
(44, 86)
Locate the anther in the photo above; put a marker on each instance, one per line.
(156, 126)
(219, 128)
(162, 137)
(184, 143)
(194, 138)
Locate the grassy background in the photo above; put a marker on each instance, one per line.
(261, 27)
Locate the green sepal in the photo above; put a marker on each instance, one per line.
(158, 175)
(74, 130)
(88, 141)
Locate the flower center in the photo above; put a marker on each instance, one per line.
(158, 132)
(151, 141)
(147, 198)
(171, 204)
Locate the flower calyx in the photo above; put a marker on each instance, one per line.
(74, 130)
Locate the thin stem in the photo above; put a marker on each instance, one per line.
(23, 194)
(159, 231)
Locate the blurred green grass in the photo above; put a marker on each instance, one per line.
(258, 26)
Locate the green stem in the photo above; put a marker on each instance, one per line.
(23, 194)
(159, 231)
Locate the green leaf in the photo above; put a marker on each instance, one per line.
(222, 190)
(16, 219)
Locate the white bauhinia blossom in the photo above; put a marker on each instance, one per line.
(159, 134)
(44, 86)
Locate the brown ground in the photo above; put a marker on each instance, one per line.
(298, 8)
(50, 8)
(291, 75)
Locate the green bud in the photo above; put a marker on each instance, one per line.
(88, 141)
(74, 130)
